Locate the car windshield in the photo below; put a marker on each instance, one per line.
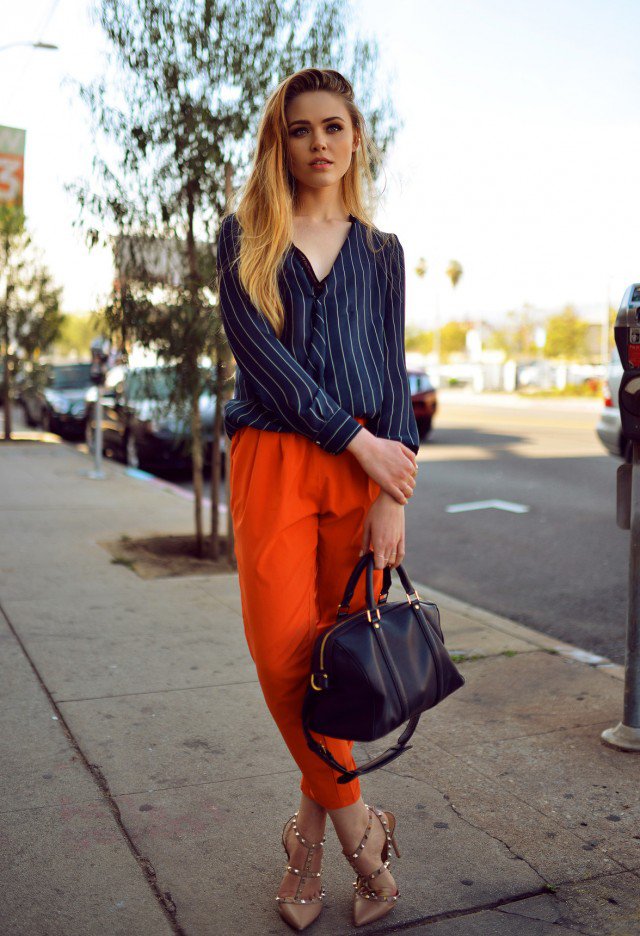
(419, 383)
(71, 376)
(151, 383)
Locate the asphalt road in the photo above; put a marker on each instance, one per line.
(562, 566)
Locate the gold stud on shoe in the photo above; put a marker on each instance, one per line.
(300, 912)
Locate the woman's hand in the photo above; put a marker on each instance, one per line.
(384, 531)
(390, 463)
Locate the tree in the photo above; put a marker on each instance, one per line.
(177, 113)
(77, 333)
(454, 272)
(517, 338)
(418, 340)
(566, 335)
(453, 338)
(29, 303)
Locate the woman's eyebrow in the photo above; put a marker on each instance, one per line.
(324, 120)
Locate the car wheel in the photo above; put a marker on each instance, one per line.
(131, 451)
(30, 421)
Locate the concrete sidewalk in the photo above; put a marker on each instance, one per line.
(144, 785)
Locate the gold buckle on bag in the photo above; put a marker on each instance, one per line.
(375, 623)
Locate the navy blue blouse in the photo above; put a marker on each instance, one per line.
(341, 353)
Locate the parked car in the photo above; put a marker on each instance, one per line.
(141, 428)
(54, 398)
(609, 428)
(424, 401)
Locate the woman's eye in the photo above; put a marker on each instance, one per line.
(297, 131)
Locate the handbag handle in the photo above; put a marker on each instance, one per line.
(365, 561)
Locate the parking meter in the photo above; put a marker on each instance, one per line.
(99, 359)
(99, 356)
(627, 335)
(626, 735)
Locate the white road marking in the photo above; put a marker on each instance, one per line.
(486, 505)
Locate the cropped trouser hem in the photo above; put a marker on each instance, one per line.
(298, 515)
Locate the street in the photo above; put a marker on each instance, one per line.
(562, 565)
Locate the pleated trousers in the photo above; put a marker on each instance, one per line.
(298, 515)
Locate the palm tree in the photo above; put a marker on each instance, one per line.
(454, 272)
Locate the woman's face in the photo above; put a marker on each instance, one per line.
(319, 127)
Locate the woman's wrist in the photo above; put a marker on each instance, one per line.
(384, 495)
(360, 442)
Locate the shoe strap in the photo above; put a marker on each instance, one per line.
(305, 873)
(302, 840)
(374, 874)
(352, 856)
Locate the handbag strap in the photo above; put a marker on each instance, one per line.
(367, 562)
(347, 775)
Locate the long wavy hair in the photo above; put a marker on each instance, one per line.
(264, 207)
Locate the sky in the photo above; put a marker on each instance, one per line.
(518, 155)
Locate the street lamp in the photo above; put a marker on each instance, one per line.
(33, 45)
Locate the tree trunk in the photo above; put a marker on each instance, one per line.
(6, 386)
(221, 399)
(196, 421)
(196, 455)
(6, 395)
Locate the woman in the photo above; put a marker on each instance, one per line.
(323, 438)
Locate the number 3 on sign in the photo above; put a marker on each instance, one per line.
(11, 174)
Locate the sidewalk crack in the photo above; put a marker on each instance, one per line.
(473, 825)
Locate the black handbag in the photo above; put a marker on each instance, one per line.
(375, 669)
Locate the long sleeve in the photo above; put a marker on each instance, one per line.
(272, 372)
(396, 419)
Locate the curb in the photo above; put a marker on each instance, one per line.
(521, 631)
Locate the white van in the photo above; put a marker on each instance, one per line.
(609, 426)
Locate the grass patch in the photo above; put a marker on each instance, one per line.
(122, 560)
(590, 389)
(466, 657)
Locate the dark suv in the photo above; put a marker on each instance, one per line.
(141, 428)
(54, 398)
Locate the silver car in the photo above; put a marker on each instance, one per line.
(609, 426)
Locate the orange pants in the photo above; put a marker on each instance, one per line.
(298, 515)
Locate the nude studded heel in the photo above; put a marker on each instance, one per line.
(370, 904)
(297, 911)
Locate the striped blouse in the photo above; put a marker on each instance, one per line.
(341, 353)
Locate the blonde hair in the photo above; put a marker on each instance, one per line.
(264, 206)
